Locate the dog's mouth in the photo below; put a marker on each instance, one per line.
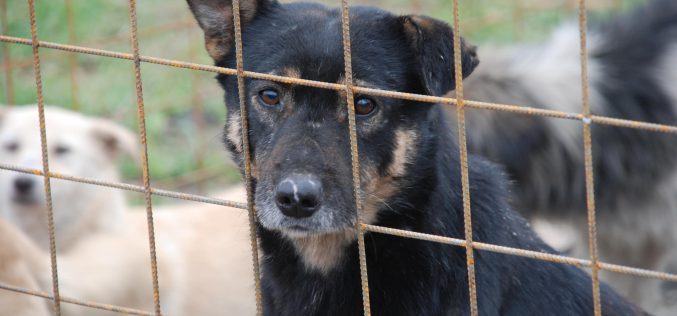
(298, 228)
(325, 221)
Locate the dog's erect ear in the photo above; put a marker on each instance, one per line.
(432, 43)
(115, 139)
(215, 17)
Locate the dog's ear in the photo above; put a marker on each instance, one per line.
(215, 17)
(115, 139)
(432, 43)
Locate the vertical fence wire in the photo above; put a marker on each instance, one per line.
(354, 154)
(7, 59)
(463, 152)
(45, 158)
(589, 172)
(72, 58)
(251, 207)
(144, 155)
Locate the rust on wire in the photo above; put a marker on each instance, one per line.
(510, 108)
(543, 256)
(251, 207)
(128, 187)
(463, 152)
(354, 154)
(152, 30)
(45, 158)
(74, 301)
(589, 172)
(144, 155)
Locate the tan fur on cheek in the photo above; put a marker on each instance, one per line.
(404, 147)
(323, 252)
(378, 189)
(234, 132)
(376, 195)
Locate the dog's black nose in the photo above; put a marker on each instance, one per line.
(298, 196)
(23, 185)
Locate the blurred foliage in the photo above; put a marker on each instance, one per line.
(184, 108)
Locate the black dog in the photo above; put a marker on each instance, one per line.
(409, 172)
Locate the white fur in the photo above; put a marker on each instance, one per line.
(204, 259)
(79, 209)
(204, 265)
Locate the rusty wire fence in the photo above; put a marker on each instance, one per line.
(585, 117)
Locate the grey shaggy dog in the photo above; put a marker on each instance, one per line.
(633, 75)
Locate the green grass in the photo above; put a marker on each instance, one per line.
(179, 151)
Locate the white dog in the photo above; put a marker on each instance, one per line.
(78, 146)
(203, 253)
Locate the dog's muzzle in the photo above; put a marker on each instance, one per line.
(24, 190)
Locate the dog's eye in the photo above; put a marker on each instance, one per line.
(11, 147)
(364, 106)
(269, 97)
(61, 149)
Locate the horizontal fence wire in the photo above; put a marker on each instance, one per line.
(127, 187)
(511, 108)
(586, 118)
(384, 230)
(543, 256)
(23, 62)
(74, 301)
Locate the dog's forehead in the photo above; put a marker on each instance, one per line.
(309, 38)
(23, 124)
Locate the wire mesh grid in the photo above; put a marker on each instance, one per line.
(585, 117)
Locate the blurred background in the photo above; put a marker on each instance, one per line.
(184, 108)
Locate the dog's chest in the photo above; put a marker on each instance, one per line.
(396, 288)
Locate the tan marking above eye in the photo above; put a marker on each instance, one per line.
(292, 73)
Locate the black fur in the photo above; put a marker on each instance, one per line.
(406, 277)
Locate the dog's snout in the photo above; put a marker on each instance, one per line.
(23, 185)
(298, 196)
